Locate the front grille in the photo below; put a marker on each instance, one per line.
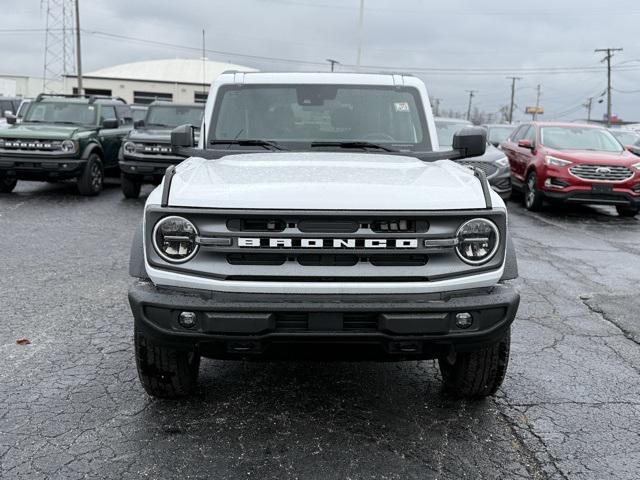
(604, 173)
(154, 149)
(487, 167)
(13, 144)
(321, 247)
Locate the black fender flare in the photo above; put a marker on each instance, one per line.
(89, 149)
(136, 258)
(510, 261)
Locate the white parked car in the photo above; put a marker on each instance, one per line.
(317, 216)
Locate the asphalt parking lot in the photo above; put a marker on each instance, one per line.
(71, 405)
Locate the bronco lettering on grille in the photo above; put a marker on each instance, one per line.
(348, 243)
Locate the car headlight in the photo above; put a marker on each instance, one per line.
(635, 165)
(129, 147)
(174, 239)
(478, 241)
(502, 162)
(558, 162)
(68, 146)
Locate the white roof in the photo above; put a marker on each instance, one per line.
(180, 70)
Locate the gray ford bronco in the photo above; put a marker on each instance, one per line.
(317, 217)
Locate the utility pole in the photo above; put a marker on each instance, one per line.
(436, 106)
(513, 96)
(534, 115)
(607, 58)
(588, 107)
(333, 63)
(360, 24)
(472, 93)
(78, 52)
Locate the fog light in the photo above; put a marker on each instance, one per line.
(464, 320)
(187, 319)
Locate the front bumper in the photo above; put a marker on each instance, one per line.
(617, 197)
(501, 183)
(41, 167)
(152, 167)
(335, 326)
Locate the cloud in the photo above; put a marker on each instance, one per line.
(404, 33)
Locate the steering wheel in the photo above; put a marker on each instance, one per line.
(378, 136)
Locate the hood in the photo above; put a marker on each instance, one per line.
(159, 135)
(325, 181)
(590, 157)
(41, 131)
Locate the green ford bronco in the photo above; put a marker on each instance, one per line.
(65, 137)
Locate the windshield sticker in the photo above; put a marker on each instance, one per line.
(401, 106)
(92, 108)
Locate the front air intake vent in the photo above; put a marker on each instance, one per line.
(399, 225)
(255, 225)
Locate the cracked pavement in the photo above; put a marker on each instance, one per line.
(71, 406)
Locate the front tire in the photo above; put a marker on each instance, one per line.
(627, 211)
(130, 187)
(532, 196)
(165, 372)
(7, 184)
(476, 374)
(91, 181)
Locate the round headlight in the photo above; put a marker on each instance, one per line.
(478, 241)
(68, 146)
(174, 239)
(129, 147)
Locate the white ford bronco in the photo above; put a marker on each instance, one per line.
(316, 217)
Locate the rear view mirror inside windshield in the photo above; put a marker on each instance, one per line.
(316, 94)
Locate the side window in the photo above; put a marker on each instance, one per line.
(108, 112)
(125, 116)
(520, 133)
(531, 135)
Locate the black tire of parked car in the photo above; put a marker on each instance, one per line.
(91, 181)
(532, 197)
(130, 186)
(7, 184)
(478, 373)
(627, 211)
(165, 372)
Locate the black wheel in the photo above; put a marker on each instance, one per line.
(627, 211)
(92, 178)
(532, 196)
(130, 186)
(7, 184)
(165, 372)
(476, 374)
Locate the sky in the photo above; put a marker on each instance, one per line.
(454, 46)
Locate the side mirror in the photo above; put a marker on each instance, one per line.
(470, 142)
(11, 119)
(524, 143)
(7, 113)
(183, 136)
(138, 124)
(631, 148)
(110, 123)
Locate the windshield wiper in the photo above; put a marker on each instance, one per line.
(362, 145)
(249, 143)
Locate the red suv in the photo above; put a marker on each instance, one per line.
(573, 163)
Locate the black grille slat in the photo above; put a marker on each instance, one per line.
(607, 173)
(487, 167)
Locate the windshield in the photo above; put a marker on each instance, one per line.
(627, 138)
(499, 134)
(173, 116)
(579, 138)
(61, 112)
(446, 130)
(297, 114)
(23, 109)
(138, 114)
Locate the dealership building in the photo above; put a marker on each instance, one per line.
(178, 80)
